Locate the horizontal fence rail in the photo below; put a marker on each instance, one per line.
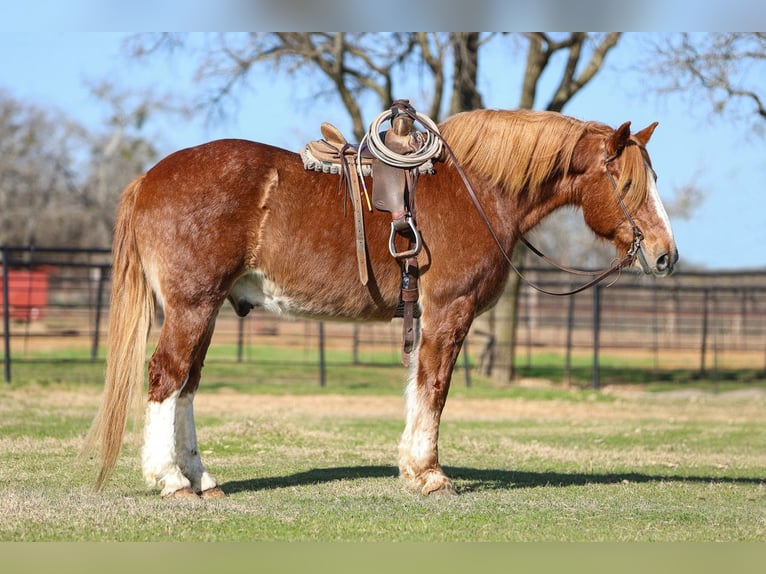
(55, 306)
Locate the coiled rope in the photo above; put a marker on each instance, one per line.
(430, 147)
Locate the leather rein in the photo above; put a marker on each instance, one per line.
(634, 251)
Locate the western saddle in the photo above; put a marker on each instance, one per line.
(394, 158)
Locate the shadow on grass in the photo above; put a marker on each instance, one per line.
(474, 479)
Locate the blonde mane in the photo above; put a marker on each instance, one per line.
(539, 146)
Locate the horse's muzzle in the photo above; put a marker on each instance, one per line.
(666, 263)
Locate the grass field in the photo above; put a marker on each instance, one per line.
(532, 462)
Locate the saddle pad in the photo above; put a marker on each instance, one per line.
(313, 163)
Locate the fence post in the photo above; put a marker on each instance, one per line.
(715, 329)
(6, 317)
(466, 364)
(240, 338)
(99, 297)
(355, 345)
(703, 347)
(596, 335)
(322, 366)
(655, 329)
(570, 328)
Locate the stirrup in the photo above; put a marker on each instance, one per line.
(401, 225)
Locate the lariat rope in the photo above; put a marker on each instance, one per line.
(428, 149)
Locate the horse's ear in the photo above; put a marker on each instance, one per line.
(618, 140)
(646, 133)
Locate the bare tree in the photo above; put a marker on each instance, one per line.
(59, 182)
(465, 72)
(346, 66)
(37, 179)
(117, 154)
(585, 56)
(355, 66)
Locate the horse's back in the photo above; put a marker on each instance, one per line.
(221, 175)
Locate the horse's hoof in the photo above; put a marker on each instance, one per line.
(213, 493)
(437, 484)
(430, 483)
(445, 489)
(182, 494)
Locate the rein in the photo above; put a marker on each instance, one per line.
(634, 251)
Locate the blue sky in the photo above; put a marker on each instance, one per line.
(727, 231)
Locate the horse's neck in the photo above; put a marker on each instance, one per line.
(532, 208)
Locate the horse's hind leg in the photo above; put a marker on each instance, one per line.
(170, 458)
(187, 451)
(442, 337)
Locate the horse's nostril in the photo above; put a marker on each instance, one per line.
(663, 262)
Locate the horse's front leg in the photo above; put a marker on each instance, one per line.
(442, 337)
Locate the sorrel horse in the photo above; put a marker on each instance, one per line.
(244, 221)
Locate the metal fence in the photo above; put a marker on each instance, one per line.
(708, 324)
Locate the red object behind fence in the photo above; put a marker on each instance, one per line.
(27, 294)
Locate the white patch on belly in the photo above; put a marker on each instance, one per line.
(258, 291)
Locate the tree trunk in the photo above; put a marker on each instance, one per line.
(506, 319)
(465, 51)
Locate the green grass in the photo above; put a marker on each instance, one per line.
(531, 465)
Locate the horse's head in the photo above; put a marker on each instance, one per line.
(620, 201)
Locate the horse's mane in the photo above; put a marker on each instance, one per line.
(539, 146)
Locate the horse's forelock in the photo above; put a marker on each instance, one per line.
(633, 177)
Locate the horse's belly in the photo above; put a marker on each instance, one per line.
(311, 299)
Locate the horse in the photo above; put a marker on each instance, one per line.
(244, 221)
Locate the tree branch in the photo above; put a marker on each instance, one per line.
(725, 67)
(537, 60)
(570, 82)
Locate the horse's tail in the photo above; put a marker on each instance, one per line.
(130, 318)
